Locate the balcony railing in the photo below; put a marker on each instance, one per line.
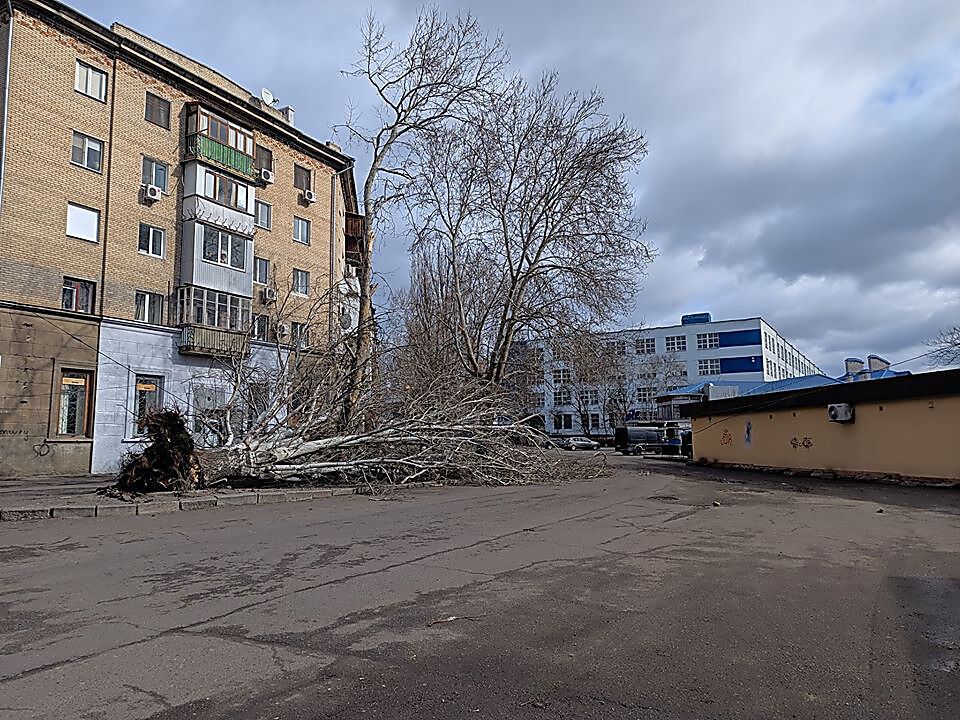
(201, 340)
(206, 148)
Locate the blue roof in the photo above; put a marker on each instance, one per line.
(797, 383)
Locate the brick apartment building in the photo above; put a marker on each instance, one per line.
(151, 210)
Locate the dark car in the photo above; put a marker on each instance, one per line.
(639, 440)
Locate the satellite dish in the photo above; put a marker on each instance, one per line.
(267, 97)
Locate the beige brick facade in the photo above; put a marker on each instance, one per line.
(39, 181)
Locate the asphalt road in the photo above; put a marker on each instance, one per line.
(629, 596)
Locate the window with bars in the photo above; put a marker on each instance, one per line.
(646, 346)
(75, 398)
(148, 396)
(676, 343)
(86, 152)
(148, 307)
(708, 341)
(708, 367)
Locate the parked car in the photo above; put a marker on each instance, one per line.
(633, 440)
(578, 443)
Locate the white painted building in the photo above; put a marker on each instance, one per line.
(698, 349)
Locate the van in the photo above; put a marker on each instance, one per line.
(638, 440)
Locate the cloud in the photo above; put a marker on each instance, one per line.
(805, 157)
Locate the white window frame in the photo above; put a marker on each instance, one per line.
(81, 80)
(676, 343)
(257, 323)
(155, 236)
(646, 346)
(256, 214)
(299, 223)
(152, 301)
(224, 260)
(79, 218)
(153, 172)
(296, 287)
(708, 366)
(708, 341)
(138, 379)
(561, 375)
(73, 285)
(85, 146)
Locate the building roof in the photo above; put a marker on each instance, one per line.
(795, 383)
(902, 387)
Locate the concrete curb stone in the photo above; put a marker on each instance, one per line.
(73, 511)
(237, 499)
(118, 509)
(31, 513)
(198, 503)
(272, 496)
(158, 507)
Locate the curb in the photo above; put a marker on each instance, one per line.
(165, 506)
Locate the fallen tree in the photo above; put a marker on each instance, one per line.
(168, 462)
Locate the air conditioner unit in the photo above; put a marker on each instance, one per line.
(309, 196)
(266, 176)
(840, 413)
(282, 330)
(152, 193)
(268, 295)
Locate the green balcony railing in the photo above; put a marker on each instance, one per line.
(206, 148)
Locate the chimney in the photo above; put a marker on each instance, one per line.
(288, 114)
(877, 363)
(853, 365)
(333, 146)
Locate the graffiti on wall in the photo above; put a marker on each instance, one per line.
(726, 438)
(806, 442)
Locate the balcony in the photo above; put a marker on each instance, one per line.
(202, 147)
(213, 342)
(355, 237)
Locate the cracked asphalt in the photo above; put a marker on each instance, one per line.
(628, 596)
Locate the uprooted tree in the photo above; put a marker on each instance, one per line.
(523, 222)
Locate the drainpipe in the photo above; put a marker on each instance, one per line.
(6, 99)
(333, 233)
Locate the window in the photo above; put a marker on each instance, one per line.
(617, 347)
(301, 178)
(261, 270)
(209, 412)
(155, 173)
(676, 343)
(708, 367)
(301, 230)
(260, 327)
(224, 190)
(560, 376)
(148, 307)
(77, 295)
(263, 158)
(561, 396)
(157, 111)
(299, 335)
(151, 240)
(594, 421)
(706, 341)
(264, 216)
(646, 346)
(301, 282)
(197, 306)
(216, 128)
(90, 81)
(86, 152)
(645, 395)
(590, 397)
(563, 421)
(83, 223)
(223, 248)
(148, 396)
(75, 398)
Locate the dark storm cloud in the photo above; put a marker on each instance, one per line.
(804, 156)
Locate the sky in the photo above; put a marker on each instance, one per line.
(804, 157)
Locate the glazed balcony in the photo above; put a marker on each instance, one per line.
(205, 148)
(213, 342)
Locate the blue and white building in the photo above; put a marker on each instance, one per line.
(658, 359)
